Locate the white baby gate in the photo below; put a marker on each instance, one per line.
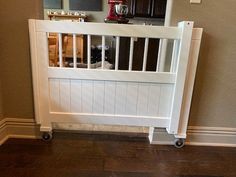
(114, 97)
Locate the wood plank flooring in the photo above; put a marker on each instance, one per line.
(104, 155)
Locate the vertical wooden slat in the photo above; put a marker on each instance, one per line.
(54, 92)
(174, 57)
(74, 51)
(166, 95)
(188, 90)
(109, 102)
(117, 52)
(98, 97)
(145, 54)
(153, 99)
(131, 98)
(163, 54)
(142, 102)
(103, 52)
(64, 95)
(42, 76)
(87, 96)
(121, 90)
(89, 51)
(131, 53)
(60, 50)
(159, 55)
(181, 72)
(34, 64)
(76, 96)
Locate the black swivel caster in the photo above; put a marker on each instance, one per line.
(47, 136)
(179, 143)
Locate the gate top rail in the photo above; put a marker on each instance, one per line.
(123, 30)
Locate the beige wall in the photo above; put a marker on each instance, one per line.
(1, 110)
(214, 99)
(17, 97)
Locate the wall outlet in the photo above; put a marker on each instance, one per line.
(195, 1)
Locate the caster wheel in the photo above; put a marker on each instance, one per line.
(179, 143)
(47, 136)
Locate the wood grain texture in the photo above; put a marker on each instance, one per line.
(118, 155)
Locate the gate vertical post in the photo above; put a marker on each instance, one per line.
(181, 73)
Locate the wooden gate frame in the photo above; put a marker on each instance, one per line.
(183, 68)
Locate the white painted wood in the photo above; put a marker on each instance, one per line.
(131, 99)
(142, 102)
(54, 90)
(150, 134)
(103, 51)
(108, 29)
(111, 75)
(163, 50)
(188, 91)
(197, 34)
(89, 51)
(43, 58)
(110, 92)
(145, 54)
(35, 69)
(60, 50)
(87, 96)
(131, 53)
(153, 99)
(174, 57)
(113, 97)
(64, 95)
(74, 51)
(166, 95)
(117, 53)
(181, 75)
(98, 97)
(159, 55)
(121, 90)
(76, 96)
(100, 128)
(168, 13)
(107, 119)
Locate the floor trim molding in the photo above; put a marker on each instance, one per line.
(196, 135)
(200, 136)
(18, 128)
(211, 136)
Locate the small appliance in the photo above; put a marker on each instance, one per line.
(117, 11)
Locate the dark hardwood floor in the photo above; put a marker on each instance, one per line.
(99, 155)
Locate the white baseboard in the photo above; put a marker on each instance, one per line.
(3, 134)
(211, 136)
(200, 136)
(18, 128)
(196, 135)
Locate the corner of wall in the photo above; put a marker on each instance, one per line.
(18, 128)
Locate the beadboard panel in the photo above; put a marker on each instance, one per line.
(110, 97)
